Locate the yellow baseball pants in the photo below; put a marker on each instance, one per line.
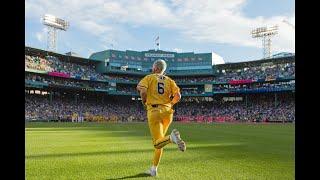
(159, 120)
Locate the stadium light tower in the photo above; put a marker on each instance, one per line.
(265, 34)
(53, 24)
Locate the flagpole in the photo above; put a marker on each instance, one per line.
(159, 43)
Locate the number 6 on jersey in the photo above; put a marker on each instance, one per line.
(160, 88)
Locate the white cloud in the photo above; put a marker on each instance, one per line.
(41, 35)
(217, 59)
(207, 21)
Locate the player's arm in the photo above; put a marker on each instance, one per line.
(176, 93)
(176, 98)
(143, 93)
(142, 87)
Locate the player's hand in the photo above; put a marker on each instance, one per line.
(172, 110)
(172, 104)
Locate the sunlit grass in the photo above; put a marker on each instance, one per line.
(111, 151)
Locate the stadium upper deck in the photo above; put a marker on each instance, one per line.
(117, 72)
(62, 85)
(134, 62)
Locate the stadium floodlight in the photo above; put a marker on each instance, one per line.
(53, 24)
(265, 33)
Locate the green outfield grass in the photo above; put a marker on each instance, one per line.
(124, 151)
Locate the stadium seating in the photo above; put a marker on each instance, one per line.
(285, 70)
(260, 108)
(40, 108)
(261, 80)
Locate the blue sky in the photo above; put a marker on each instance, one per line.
(220, 26)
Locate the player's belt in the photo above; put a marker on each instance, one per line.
(157, 105)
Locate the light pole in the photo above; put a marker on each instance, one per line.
(53, 24)
(265, 34)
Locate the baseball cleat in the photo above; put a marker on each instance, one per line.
(151, 172)
(175, 137)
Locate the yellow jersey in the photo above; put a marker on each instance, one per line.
(160, 89)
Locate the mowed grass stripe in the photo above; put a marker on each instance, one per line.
(111, 151)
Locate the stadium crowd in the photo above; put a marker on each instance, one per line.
(259, 108)
(124, 78)
(53, 64)
(127, 89)
(192, 79)
(63, 82)
(177, 79)
(56, 81)
(285, 70)
(185, 91)
(255, 86)
(40, 108)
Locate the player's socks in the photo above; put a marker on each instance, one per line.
(160, 143)
(157, 156)
(175, 138)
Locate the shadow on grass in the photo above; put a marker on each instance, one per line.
(140, 175)
(218, 147)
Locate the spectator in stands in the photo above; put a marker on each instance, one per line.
(259, 109)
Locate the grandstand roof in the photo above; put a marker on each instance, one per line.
(283, 54)
(256, 62)
(73, 54)
(63, 57)
(98, 56)
(102, 55)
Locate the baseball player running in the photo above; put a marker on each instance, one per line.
(159, 94)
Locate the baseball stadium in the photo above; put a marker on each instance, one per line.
(85, 120)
